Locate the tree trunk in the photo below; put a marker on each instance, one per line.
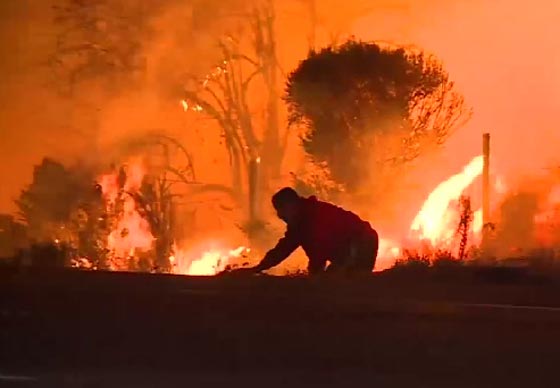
(273, 149)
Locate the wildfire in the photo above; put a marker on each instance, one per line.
(130, 232)
(208, 263)
(477, 222)
(389, 251)
(437, 221)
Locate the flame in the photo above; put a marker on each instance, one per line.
(209, 263)
(131, 232)
(109, 187)
(477, 223)
(389, 251)
(435, 221)
(186, 106)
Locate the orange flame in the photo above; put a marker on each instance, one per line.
(131, 232)
(436, 221)
(389, 252)
(209, 263)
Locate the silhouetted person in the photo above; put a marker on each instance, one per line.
(327, 234)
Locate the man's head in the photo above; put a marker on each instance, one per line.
(287, 203)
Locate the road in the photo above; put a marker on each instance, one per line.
(82, 329)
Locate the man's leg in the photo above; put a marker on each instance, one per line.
(358, 256)
(364, 253)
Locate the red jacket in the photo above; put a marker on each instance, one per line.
(323, 230)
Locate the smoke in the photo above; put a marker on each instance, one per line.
(504, 57)
(95, 123)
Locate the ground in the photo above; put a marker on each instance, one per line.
(85, 329)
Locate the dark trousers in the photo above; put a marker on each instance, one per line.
(359, 256)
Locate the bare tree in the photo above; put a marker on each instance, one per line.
(224, 95)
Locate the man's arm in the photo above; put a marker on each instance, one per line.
(316, 266)
(284, 248)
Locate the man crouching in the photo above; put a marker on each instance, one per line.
(327, 234)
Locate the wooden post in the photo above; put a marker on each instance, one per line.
(485, 187)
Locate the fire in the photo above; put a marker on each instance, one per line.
(130, 232)
(477, 222)
(389, 251)
(436, 221)
(209, 263)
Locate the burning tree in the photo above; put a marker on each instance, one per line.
(141, 215)
(142, 219)
(141, 200)
(366, 107)
(156, 198)
(224, 96)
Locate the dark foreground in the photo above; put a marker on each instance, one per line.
(80, 329)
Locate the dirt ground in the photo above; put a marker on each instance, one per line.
(86, 329)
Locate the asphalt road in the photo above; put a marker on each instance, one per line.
(80, 329)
